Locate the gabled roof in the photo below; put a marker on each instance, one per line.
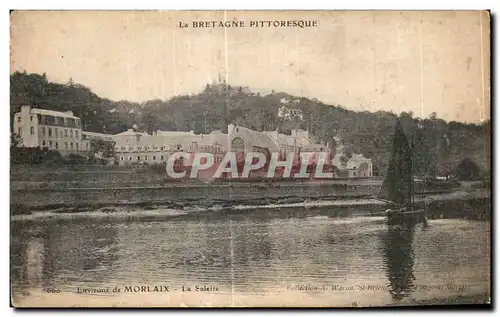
(256, 138)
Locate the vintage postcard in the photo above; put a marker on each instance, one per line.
(250, 158)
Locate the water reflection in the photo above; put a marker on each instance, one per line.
(53, 255)
(245, 255)
(399, 258)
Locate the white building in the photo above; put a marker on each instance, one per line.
(289, 113)
(55, 130)
(359, 166)
(139, 147)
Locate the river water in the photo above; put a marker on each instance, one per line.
(246, 261)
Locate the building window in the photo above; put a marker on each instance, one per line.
(154, 158)
(56, 132)
(72, 145)
(43, 131)
(76, 146)
(237, 143)
(65, 145)
(19, 131)
(50, 144)
(43, 143)
(161, 158)
(130, 158)
(145, 158)
(71, 133)
(19, 119)
(76, 134)
(57, 145)
(50, 131)
(138, 158)
(31, 118)
(121, 158)
(162, 148)
(66, 133)
(32, 130)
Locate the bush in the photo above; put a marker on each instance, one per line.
(35, 156)
(75, 159)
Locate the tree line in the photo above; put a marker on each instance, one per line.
(440, 146)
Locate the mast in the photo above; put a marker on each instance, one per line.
(412, 166)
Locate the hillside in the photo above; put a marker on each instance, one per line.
(441, 146)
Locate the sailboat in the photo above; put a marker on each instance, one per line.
(398, 185)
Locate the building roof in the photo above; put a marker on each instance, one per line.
(356, 160)
(256, 138)
(314, 147)
(215, 138)
(336, 161)
(174, 133)
(131, 132)
(97, 134)
(285, 139)
(46, 112)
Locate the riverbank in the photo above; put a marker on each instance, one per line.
(78, 189)
(471, 205)
(185, 194)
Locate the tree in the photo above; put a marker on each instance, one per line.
(15, 141)
(102, 150)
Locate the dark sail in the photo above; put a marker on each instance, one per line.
(397, 185)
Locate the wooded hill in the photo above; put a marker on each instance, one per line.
(440, 146)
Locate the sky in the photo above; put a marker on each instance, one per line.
(423, 62)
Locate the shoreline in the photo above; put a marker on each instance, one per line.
(461, 204)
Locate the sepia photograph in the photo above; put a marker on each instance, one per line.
(265, 158)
